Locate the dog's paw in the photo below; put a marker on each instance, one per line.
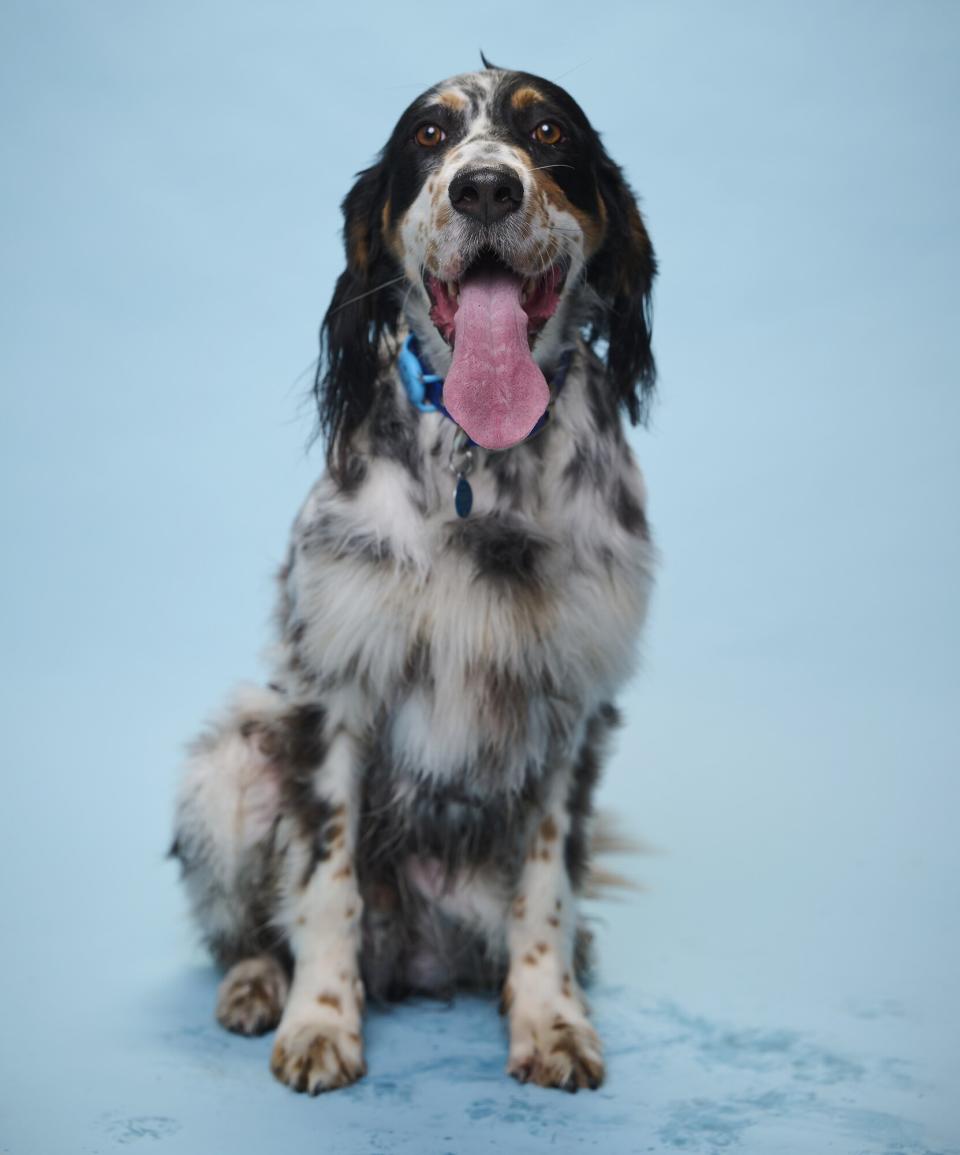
(251, 996)
(317, 1056)
(555, 1049)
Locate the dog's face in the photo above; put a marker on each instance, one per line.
(496, 221)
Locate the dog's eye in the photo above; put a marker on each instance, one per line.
(430, 135)
(547, 132)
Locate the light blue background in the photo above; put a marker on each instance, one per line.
(787, 982)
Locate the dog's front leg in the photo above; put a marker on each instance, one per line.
(551, 1039)
(319, 1045)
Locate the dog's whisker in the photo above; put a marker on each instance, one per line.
(582, 64)
(369, 293)
(308, 370)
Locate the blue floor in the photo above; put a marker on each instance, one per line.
(785, 978)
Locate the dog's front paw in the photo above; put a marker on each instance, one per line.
(251, 996)
(317, 1056)
(555, 1049)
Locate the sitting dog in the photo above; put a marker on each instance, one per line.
(406, 806)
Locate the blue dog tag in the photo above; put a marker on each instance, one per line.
(463, 497)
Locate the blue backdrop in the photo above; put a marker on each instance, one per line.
(171, 181)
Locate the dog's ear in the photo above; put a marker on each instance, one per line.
(361, 311)
(621, 273)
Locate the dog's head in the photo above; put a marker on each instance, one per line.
(496, 221)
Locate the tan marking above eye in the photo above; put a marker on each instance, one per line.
(453, 99)
(525, 96)
(547, 132)
(429, 135)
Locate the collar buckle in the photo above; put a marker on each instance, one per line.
(422, 387)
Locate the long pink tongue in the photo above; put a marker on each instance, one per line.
(494, 390)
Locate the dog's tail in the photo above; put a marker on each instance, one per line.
(608, 838)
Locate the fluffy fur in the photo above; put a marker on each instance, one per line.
(406, 806)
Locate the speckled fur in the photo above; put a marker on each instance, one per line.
(405, 807)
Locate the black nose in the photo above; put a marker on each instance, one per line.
(488, 194)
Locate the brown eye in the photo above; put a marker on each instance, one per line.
(547, 132)
(430, 135)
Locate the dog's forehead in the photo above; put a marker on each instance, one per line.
(469, 93)
(482, 98)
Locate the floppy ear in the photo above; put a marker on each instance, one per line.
(361, 311)
(622, 273)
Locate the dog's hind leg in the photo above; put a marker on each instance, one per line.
(228, 842)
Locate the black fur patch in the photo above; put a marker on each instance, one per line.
(393, 432)
(502, 548)
(353, 475)
(588, 465)
(629, 512)
(300, 752)
(603, 404)
(586, 774)
(418, 666)
(449, 824)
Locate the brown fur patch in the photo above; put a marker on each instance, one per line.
(443, 215)
(278, 1060)
(548, 829)
(344, 872)
(358, 245)
(450, 98)
(592, 225)
(542, 948)
(553, 920)
(506, 998)
(382, 896)
(526, 96)
(519, 906)
(329, 999)
(530, 959)
(391, 235)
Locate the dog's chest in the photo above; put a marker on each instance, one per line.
(481, 642)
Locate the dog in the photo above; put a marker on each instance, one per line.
(406, 806)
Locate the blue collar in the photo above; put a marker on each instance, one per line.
(425, 388)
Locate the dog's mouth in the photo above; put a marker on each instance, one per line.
(491, 316)
(538, 296)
